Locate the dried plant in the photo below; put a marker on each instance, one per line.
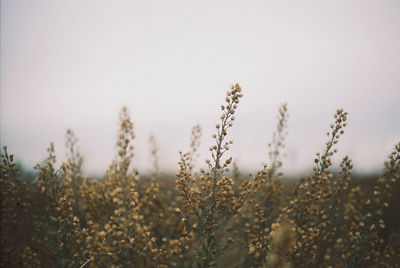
(210, 198)
(154, 157)
(215, 217)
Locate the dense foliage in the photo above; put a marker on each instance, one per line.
(212, 217)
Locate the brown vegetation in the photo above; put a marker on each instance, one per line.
(212, 217)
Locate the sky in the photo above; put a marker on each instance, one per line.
(74, 64)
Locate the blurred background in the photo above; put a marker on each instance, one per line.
(74, 64)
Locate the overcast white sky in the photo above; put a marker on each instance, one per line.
(74, 64)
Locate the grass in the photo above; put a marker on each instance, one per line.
(212, 217)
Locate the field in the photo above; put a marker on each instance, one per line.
(213, 217)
